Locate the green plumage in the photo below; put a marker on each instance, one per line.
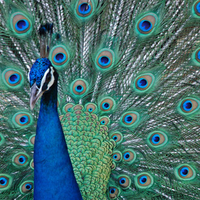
(129, 95)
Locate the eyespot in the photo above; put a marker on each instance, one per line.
(59, 56)
(21, 24)
(130, 119)
(143, 82)
(5, 182)
(105, 59)
(189, 106)
(157, 139)
(32, 140)
(84, 8)
(20, 159)
(104, 120)
(146, 24)
(144, 180)
(79, 87)
(129, 156)
(107, 104)
(185, 172)
(91, 107)
(197, 54)
(22, 119)
(12, 78)
(117, 137)
(67, 107)
(26, 187)
(197, 8)
(124, 181)
(117, 156)
(1, 139)
(113, 192)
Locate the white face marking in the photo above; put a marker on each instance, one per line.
(52, 79)
(51, 70)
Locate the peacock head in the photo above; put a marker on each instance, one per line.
(42, 76)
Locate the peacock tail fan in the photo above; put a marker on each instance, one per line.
(129, 94)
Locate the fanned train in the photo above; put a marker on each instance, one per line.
(120, 99)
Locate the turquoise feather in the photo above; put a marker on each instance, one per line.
(128, 98)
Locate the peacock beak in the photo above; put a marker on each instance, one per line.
(35, 95)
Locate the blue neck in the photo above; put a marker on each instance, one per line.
(53, 172)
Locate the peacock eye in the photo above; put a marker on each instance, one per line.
(197, 54)
(84, 8)
(129, 156)
(124, 181)
(116, 156)
(104, 120)
(105, 59)
(113, 192)
(157, 139)
(21, 24)
(5, 182)
(197, 8)
(32, 140)
(143, 82)
(22, 119)
(117, 137)
(107, 104)
(189, 106)
(129, 119)
(59, 56)
(185, 172)
(91, 107)
(144, 180)
(20, 159)
(12, 78)
(79, 87)
(67, 107)
(26, 187)
(146, 24)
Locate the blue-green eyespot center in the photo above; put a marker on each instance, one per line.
(104, 60)
(28, 186)
(84, 8)
(142, 83)
(143, 179)
(59, 57)
(23, 119)
(128, 119)
(3, 181)
(79, 88)
(22, 159)
(14, 78)
(187, 105)
(22, 25)
(184, 171)
(145, 25)
(126, 156)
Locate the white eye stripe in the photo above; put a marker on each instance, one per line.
(52, 79)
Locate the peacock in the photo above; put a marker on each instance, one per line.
(99, 99)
